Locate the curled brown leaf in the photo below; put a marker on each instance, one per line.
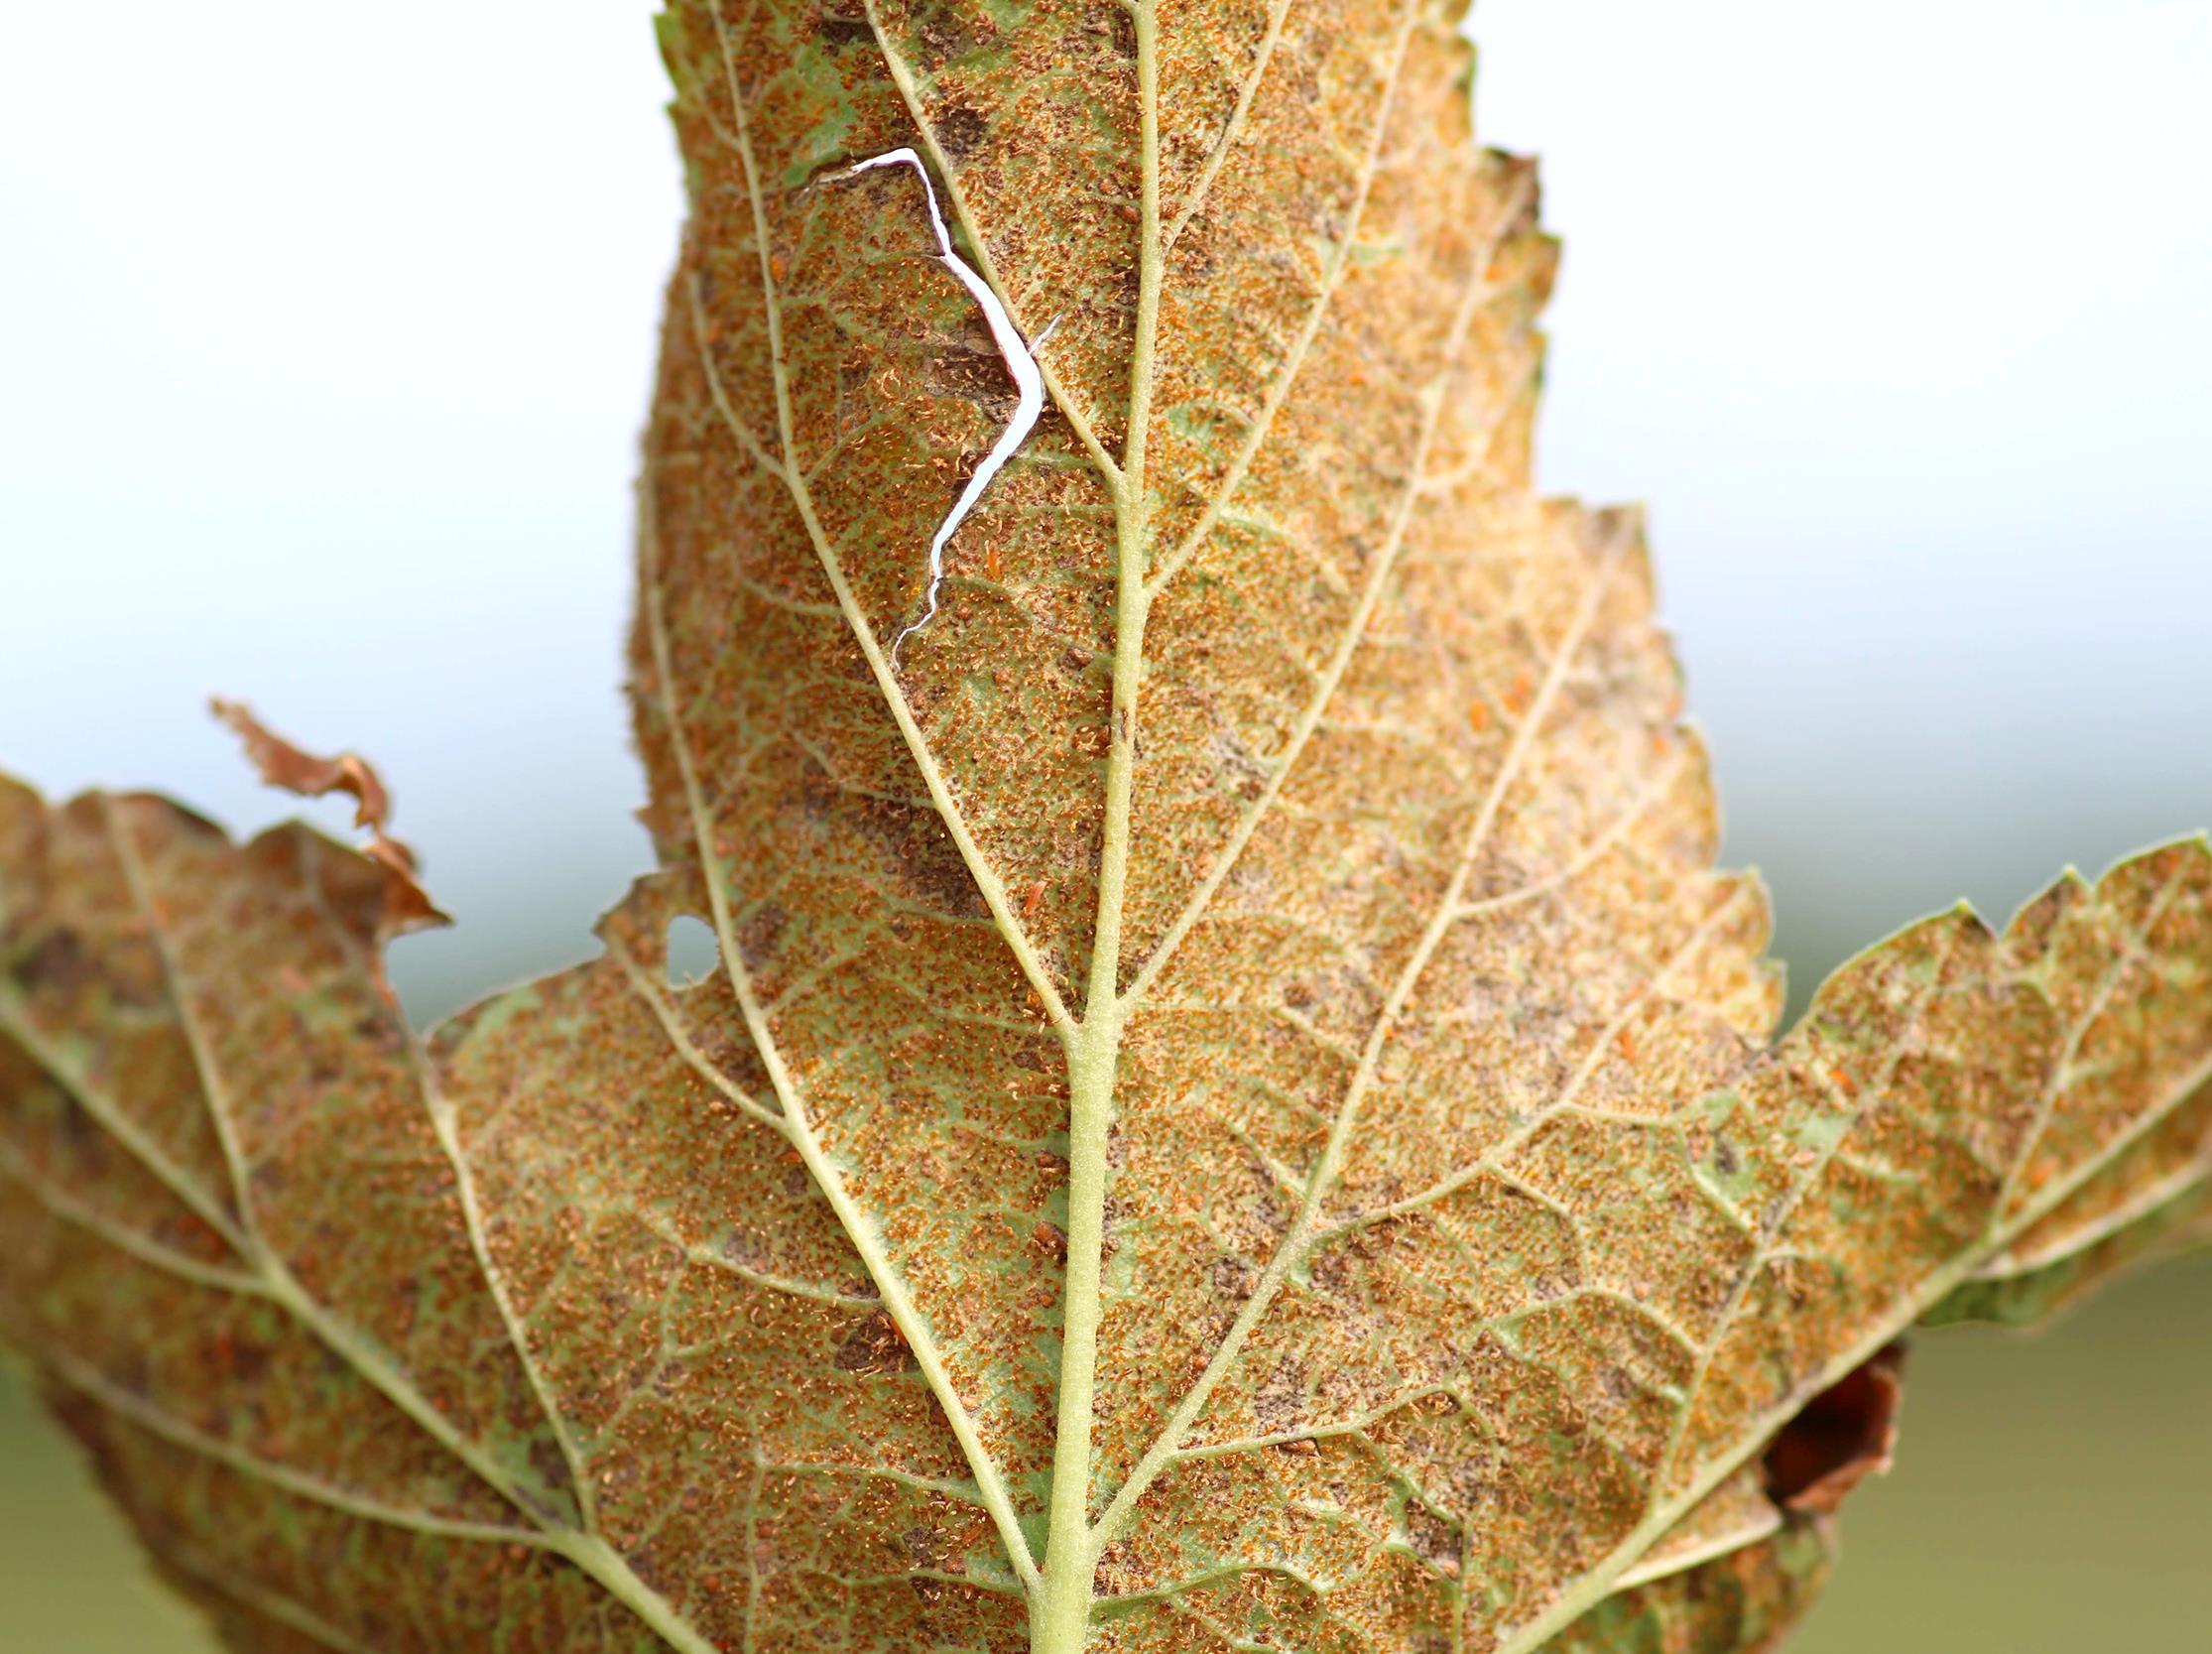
(408, 906)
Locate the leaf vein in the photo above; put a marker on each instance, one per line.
(902, 77)
(439, 1113)
(987, 880)
(116, 1121)
(793, 1120)
(1233, 130)
(93, 1386)
(120, 1236)
(1298, 1237)
(1340, 255)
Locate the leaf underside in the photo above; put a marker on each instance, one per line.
(1235, 1111)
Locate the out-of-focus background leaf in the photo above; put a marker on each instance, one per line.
(326, 338)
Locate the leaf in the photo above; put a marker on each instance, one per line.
(2049, 1270)
(1747, 1599)
(1235, 1111)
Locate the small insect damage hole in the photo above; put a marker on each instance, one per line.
(690, 952)
(1839, 1438)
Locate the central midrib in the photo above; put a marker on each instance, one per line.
(1060, 1609)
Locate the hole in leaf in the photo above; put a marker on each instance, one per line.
(1839, 1438)
(692, 952)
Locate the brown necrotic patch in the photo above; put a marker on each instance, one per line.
(873, 1344)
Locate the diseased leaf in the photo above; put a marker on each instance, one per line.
(1235, 1111)
(2028, 1283)
(1746, 1601)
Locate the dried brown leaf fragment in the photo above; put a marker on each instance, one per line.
(408, 906)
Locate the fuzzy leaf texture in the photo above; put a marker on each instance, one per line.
(1234, 1112)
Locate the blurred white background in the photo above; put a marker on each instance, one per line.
(326, 333)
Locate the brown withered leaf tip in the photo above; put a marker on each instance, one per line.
(408, 906)
(1235, 1111)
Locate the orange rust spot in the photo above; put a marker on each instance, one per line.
(1480, 716)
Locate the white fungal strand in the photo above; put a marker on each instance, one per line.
(1020, 362)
